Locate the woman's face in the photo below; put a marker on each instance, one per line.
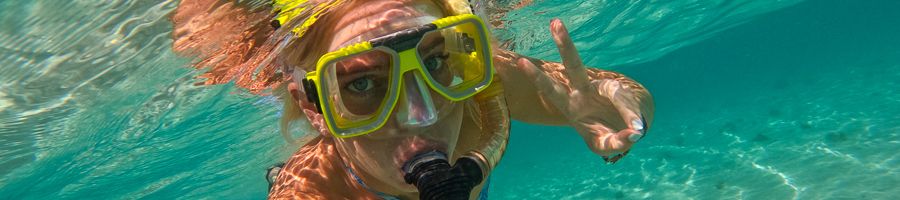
(378, 157)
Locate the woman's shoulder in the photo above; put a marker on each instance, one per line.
(313, 172)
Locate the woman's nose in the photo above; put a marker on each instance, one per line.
(415, 108)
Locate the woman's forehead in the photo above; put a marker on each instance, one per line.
(371, 19)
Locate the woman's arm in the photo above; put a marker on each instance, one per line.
(610, 111)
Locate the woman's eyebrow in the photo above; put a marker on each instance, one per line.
(351, 67)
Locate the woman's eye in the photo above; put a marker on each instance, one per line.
(361, 85)
(434, 63)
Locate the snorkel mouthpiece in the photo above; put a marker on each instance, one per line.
(436, 179)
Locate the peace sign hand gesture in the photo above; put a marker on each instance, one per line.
(605, 112)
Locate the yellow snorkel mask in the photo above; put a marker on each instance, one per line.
(357, 87)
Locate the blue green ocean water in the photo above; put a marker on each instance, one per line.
(755, 100)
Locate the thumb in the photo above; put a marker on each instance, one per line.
(636, 124)
(629, 136)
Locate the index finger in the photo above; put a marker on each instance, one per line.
(569, 54)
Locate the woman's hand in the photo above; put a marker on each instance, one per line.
(603, 111)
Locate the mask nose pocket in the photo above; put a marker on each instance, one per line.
(416, 108)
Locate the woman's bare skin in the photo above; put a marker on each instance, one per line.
(600, 105)
(315, 172)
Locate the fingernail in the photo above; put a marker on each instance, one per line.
(635, 137)
(638, 125)
(610, 159)
(614, 158)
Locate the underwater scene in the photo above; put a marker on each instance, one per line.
(754, 99)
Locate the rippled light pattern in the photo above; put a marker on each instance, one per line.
(769, 99)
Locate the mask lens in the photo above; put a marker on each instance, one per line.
(455, 58)
(358, 87)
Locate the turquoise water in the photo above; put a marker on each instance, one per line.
(755, 100)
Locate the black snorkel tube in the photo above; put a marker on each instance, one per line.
(432, 174)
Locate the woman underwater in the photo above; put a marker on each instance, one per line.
(410, 97)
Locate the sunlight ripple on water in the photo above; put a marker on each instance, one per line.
(94, 104)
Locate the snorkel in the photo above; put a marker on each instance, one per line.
(436, 179)
(431, 172)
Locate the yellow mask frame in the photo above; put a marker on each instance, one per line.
(478, 72)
